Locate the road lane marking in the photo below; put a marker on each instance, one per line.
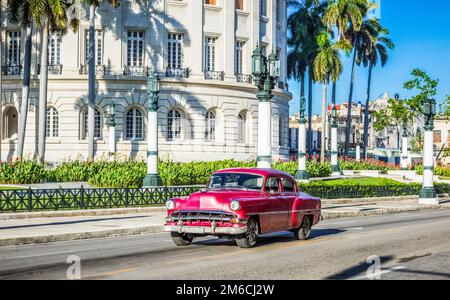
(354, 228)
(111, 273)
(387, 271)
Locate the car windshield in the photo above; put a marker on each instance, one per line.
(236, 180)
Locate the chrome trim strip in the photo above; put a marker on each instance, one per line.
(284, 212)
(205, 230)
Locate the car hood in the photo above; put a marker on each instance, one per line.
(213, 200)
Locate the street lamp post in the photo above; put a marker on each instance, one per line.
(404, 158)
(152, 178)
(358, 145)
(302, 174)
(428, 193)
(334, 143)
(265, 72)
(111, 109)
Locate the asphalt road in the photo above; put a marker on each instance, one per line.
(409, 246)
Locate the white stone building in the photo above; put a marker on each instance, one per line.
(208, 109)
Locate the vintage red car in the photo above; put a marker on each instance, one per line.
(240, 204)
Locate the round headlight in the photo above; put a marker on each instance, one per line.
(234, 205)
(170, 204)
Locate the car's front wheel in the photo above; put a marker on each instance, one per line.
(181, 239)
(248, 240)
(305, 230)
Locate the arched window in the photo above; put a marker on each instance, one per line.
(10, 123)
(174, 125)
(134, 129)
(210, 126)
(280, 131)
(52, 123)
(241, 127)
(97, 124)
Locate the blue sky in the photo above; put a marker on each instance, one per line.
(421, 33)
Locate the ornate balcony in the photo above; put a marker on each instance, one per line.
(177, 72)
(11, 70)
(283, 86)
(214, 75)
(100, 70)
(135, 71)
(52, 69)
(244, 78)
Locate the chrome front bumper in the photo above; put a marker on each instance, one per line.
(205, 230)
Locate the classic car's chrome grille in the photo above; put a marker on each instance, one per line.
(218, 216)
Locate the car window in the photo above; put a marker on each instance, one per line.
(288, 185)
(272, 185)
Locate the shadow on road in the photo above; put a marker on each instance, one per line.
(272, 238)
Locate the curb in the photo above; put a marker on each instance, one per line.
(376, 212)
(80, 236)
(78, 213)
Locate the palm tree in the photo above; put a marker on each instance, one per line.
(304, 25)
(375, 45)
(93, 4)
(327, 66)
(49, 15)
(19, 13)
(347, 16)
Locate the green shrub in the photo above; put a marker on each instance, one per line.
(118, 174)
(369, 164)
(313, 168)
(438, 171)
(21, 172)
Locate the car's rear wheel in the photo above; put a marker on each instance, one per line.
(181, 239)
(304, 231)
(249, 239)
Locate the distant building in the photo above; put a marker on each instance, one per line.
(384, 145)
(375, 13)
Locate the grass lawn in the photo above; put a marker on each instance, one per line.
(365, 181)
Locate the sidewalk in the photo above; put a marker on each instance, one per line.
(26, 228)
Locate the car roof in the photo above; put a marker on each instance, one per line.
(257, 171)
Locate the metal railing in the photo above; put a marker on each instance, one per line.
(244, 78)
(11, 70)
(353, 192)
(215, 75)
(177, 72)
(88, 198)
(135, 70)
(100, 70)
(52, 69)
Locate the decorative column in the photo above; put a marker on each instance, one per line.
(358, 146)
(428, 193)
(265, 73)
(334, 143)
(112, 131)
(302, 174)
(152, 178)
(404, 158)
